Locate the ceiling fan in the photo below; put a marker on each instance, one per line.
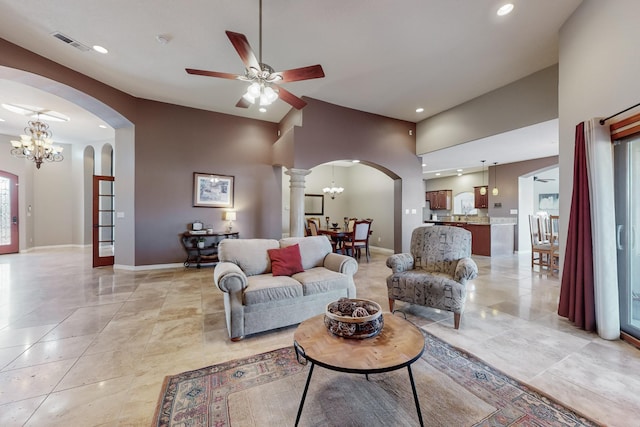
(265, 82)
(535, 178)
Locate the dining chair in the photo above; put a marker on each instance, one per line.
(541, 251)
(313, 227)
(358, 239)
(554, 227)
(351, 223)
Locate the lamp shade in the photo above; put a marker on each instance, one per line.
(230, 216)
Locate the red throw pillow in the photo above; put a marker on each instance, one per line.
(285, 261)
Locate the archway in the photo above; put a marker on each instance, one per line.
(123, 139)
(370, 191)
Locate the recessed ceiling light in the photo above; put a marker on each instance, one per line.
(505, 9)
(458, 170)
(262, 110)
(102, 126)
(424, 164)
(355, 161)
(459, 174)
(100, 49)
(437, 173)
(419, 110)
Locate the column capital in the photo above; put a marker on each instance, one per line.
(293, 172)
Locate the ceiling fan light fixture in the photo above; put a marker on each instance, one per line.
(268, 95)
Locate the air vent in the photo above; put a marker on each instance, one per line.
(70, 41)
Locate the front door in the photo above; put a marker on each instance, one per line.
(103, 220)
(8, 213)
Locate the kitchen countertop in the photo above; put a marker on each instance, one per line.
(445, 222)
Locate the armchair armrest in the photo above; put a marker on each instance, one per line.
(400, 262)
(229, 278)
(466, 269)
(341, 263)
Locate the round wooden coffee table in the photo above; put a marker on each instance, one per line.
(399, 344)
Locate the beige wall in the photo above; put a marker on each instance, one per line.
(531, 100)
(599, 70)
(368, 194)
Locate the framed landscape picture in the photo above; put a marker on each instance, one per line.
(212, 191)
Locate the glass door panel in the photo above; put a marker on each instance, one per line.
(103, 220)
(8, 213)
(627, 183)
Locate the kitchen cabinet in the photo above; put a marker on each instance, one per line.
(439, 200)
(481, 201)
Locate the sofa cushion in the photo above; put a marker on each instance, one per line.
(313, 249)
(285, 261)
(320, 280)
(437, 290)
(265, 288)
(248, 254)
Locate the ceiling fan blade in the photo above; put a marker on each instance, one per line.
(291, 99)
(243, 103)
(213, 74)
(239, 41)
(297, 74)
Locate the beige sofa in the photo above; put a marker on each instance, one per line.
(256, 301)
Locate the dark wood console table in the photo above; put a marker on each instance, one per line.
(207, 253)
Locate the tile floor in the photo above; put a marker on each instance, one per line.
(90, 347)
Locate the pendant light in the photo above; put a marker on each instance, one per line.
(483, 189)
(495, 191)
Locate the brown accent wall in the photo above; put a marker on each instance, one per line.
(507, 176)
(172, 142)
(331, 132)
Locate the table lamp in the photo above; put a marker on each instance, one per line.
(230, 216)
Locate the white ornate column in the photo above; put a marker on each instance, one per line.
(296, 201)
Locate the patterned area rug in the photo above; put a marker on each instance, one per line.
(454, 388)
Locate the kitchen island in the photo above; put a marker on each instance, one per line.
(487, 238)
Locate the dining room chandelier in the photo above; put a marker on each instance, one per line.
(333, 190)
(36, 144)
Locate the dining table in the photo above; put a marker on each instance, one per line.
(337, 235)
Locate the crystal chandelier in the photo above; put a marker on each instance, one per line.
(333, 190)
(36, 144)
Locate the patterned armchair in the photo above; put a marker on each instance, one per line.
(436, 271)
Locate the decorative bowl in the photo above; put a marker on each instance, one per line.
(354, 318)
(335, 224)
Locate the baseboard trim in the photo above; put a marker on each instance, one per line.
(147, 267)
(380, 250)
(40, 248)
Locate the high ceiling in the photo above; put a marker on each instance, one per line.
(379, 56)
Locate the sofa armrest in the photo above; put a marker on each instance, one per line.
(228, 277)
(341, 263)
(466, 269)
(400, 262)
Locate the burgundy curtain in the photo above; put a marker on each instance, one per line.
(576, 291)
